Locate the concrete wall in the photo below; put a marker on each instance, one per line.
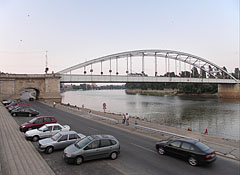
(229, 91)
(11, 85)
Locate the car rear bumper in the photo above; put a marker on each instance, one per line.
(208, 161)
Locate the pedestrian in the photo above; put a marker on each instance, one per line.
(54, 104)
(123, 119)
(127, 119)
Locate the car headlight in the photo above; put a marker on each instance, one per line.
(68, 155)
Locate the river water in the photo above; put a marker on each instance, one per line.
(221, 118)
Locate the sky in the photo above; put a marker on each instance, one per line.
(74, 31)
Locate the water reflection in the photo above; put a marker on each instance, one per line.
(220, 117)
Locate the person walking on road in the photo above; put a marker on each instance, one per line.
(54, 104)
(127, 119)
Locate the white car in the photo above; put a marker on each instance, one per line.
(45, 131)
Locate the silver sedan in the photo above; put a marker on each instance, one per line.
(59, 141)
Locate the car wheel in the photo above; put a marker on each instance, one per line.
(192, 161)
(14, 114)
(161, 151)
(35, 138)
(29, 115)
(49, 149)
(113, 155)
(29, 129)
(79, 160)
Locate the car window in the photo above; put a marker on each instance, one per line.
(57, 128)
(63, 138)
(47, 119)
(40, 120)
(202, 146)
(49, 128)
(175, 143)
(105, 142)
(56, 136)
(187, 146)
(113, 142)
(72, 136)
(81, 143)
(95, 144)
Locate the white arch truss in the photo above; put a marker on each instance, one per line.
(193, 60)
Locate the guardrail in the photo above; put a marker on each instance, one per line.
(162, 132)
(104, 118)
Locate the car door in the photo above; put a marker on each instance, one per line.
(62, 142)
(38, 123)
(186, 150)
(56, 129)
(174, 147)
(105, 148)
(91, 151)
(47, 133)
(72, 138)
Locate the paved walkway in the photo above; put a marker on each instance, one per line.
(224, 147)
(18, 156)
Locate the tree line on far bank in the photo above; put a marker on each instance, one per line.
(187, 88)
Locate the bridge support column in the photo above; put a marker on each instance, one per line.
(229, 91)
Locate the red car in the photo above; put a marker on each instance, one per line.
(37, 122)
(10, 108)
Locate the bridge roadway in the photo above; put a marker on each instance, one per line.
(75, 78)
(138, 155)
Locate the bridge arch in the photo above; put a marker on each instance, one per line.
(195, 61)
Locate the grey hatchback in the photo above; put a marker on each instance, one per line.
(59, 141)
(92, 147)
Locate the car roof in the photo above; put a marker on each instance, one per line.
(98, 137)
(192, 141)
(44, 116)
(52, 124)
(67, 132)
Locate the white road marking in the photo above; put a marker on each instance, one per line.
(144, 148)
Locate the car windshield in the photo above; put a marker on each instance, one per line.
(32, 121)
(43, 128)
(81, 143)
(56, 136)
(202, 146)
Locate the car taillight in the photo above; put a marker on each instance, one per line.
(210, 155)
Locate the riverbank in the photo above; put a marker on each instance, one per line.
(167, 92)
(225, 147)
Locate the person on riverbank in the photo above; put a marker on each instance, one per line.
(123, 119)
(54, 104)
(127, 119)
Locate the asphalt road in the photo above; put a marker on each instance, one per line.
(138, 155)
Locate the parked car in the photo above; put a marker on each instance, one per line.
(37, 122)
(14, 102)
(6, 102)
(193, 151)
(10, 108)
(92, 147)
(47, 130)
(24, 112)
(59, 141)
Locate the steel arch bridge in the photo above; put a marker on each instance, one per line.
(203, 65)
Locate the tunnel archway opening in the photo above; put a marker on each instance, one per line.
(30, 94)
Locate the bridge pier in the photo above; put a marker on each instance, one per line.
(229, 91)
(47, 86)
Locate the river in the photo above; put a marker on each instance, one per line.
(221, 118)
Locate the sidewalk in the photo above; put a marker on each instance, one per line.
(18, 156)
(224, 147)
